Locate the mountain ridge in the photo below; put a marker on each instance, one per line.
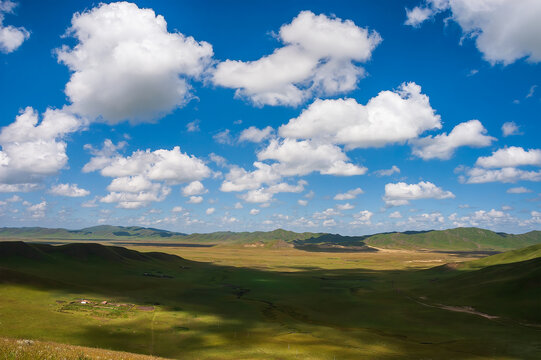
(457, 239)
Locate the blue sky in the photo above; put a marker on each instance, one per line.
(343, 117)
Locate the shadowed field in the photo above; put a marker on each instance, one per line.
(249, 303)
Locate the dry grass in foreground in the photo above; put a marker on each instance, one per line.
(16, 349)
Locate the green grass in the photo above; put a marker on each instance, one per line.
(459, 239)
(24, 349)
(523, 254)
(258, 303)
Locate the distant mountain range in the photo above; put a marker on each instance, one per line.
(459, 239)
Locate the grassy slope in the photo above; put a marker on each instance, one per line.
(506, 284)
(207, 311)
(459, 239)
(31, 350)
(250, 237)
(95, 232)
(511, 256)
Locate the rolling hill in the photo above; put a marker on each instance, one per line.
(507, 284)
(114, 298)
(459, 239)
(105, 232)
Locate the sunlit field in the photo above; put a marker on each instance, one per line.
(247, 303)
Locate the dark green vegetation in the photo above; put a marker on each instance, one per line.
(522, 254)
(459, 239)
(205, 311)
(95, 232)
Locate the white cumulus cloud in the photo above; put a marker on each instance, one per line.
(194, 188)
(400, 193)
(349, 195)
(470, 133)
(390, 117)
(510, 128)
(11, 37)
(505, 175)
(32, 150)
(126, 65)
(319, 56)
(254, 134)
(510, 157)
(304, 157)
(504, 30)
(346, 206)
(144, 176)
(70, 190)
(195, 199)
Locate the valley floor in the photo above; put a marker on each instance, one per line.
(253, 303)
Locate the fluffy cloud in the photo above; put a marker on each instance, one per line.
(483, 218)
(395, 215)
(11, 37)
(144, 176)
(171, 166)
(302, 202)
(397, 194)
(426, 219)
(135, 183)
(510, 128)
(390, 117)
(349, 195)
(319, 56)
(265, 194)
(239, 179)
(326, 214)
(293, 158)
(37, 211)
(32, 151)
(70, 190)
(254, 211)
(470, 133)
(304, 157)
(210, 211)
(506, 159)
(504, 30)
(511, 157)
(417, 15)
(127, 66)
(505, 175)
(346, 206)
(194, 188)
(137, 199)
(362, 218)
(195, 199)
(256, 135)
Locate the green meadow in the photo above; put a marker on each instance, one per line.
(240, 302)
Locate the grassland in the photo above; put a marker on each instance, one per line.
(459, 239)
(270, 303)
(24, 349)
